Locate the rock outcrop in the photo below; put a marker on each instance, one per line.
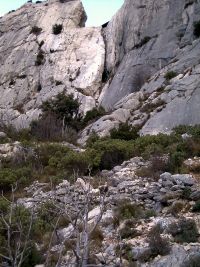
(124, 66)
(146, 41)
(163, 201)
(37, 64)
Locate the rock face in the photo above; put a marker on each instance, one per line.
(37, 64)
(143, 37)
(124, 67)
(145, 41)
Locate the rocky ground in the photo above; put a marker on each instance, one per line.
(163, 202)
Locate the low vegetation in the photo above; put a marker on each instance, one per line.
(184, 231)
(57, 29)
(158, 244)
(36, 30)
(170, 75)
(197, 29)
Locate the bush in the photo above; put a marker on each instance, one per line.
(93, 115)
(192, 260)
(57, 29)
(184, 231)
(124, 132)
(48, 127)
(170, 75)
(40, 59)
(196, 207)
(9, 177)
(92, 139)
(191, 130)
(36, 30)
(158, 244)
(197, 29)
(65, 107)
(128, 230)
(126, 210)
(175, 161)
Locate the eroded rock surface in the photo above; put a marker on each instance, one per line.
(36, 66)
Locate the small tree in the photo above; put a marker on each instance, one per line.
(64, 107)
(124, 132)
(16, 225)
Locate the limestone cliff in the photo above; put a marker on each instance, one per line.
(145, 42)
(125, 67)
(37, 64)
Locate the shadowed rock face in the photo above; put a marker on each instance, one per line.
(37, 64)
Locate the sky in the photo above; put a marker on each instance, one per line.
(98, 11)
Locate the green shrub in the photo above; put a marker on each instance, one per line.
(33, 257)
(186, 193)
(192, 130)
(92, 139)
(57, 29)
(124, 132)
(196, 207)
(65, 107)
(197, 29)
(36, 30)
(175, 161)
(158, 245)
(46, 151)
(4, 205)
(80, 162)
(170, 75)
(113, 152)
(185, 231)
(40, 59)
(93, 115)
(126, 210)
(9, 177)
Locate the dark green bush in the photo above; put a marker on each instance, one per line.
(36, 30)
(33, 257)
(113, 152)
(65, 107)
(125, 210)
(170, 75)
(57, 29)
(124, 132)
(196, 207)
(175, 161)
(185, 231)
(92, 139)
(40, 59)
(93, 115)
(191, 130)
(197, 29)
(9, 177)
